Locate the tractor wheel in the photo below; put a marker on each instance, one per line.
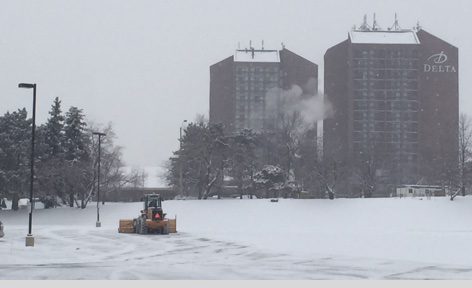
(141, 227)
(138, 226)
(165, 231)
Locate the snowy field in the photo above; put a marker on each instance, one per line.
(249, 239)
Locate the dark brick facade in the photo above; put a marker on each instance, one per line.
(240, 90)
(439, 108)
(222, 93)
(396, 102)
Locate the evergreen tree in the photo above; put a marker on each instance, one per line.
(65, 158)
(50, 152)
(54, 137)
(78, 168)
(270, 180)
(15, 145)
(76, 141)
(48, 171)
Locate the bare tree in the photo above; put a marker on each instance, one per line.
(290, 129)
(136, 177)
(241, 162)
(112, 176)
(203, 153)
(331, 171)
(366, 174)
(465, 151)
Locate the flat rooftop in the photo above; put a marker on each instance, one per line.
(253, 55)
(384, 37)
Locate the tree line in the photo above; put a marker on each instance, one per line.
(451, 169)
(65, 158)
(286, 162)
(282, 162)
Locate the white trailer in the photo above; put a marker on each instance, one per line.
(421, 191)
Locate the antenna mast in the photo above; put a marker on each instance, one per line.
(365, 26)
(396, 26)
(418, 26)
(375, 26)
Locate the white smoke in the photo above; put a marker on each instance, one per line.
(308, 102)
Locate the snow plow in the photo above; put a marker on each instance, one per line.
(152, 219)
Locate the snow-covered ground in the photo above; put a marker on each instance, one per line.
(249, 239)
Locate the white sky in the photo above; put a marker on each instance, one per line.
(144, 65)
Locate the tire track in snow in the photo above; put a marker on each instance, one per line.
(106, 254)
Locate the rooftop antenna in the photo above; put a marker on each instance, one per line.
(375, 26)
(396, 27)
(250, 44)
(418, 26)
(283, 45)
(364, 26)
(262, 44)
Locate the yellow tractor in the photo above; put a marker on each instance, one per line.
(152, 219)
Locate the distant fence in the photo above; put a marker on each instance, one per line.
(131, 194)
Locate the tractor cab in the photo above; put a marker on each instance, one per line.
(152, 200)
(153, 207)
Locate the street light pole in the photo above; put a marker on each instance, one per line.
(29, 237)
(98, 224)
(180, 159)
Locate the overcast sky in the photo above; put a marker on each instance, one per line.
(144, 65)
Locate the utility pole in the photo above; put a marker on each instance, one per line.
(98, 224)
(180, 160)
(29, 237)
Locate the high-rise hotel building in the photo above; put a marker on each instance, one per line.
(245, 87)
(395, 98)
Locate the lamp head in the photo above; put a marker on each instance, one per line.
(26, 85)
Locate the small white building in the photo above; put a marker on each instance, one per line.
(23, 203)
(421, 191)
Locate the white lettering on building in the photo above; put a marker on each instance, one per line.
(436, 64)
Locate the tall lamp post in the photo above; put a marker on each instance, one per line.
(180, 162)
(98, 224)
(29, 237)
